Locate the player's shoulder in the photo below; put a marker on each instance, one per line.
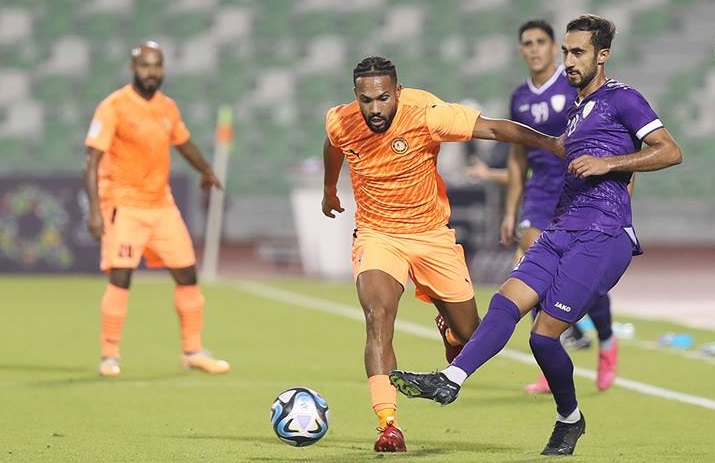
(521, 89)
(620, 95)
(343, 110)
(116, 97)
(418, 98)
(616, 89)
(341, 119)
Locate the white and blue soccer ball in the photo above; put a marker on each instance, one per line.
(300, 416)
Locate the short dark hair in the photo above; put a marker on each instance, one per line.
(602, 30)
(537, 24)
(375, 66)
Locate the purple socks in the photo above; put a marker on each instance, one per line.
(492, 335)
(558, 369)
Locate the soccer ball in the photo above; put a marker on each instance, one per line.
(300, 416)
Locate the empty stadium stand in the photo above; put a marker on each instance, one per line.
(282, 63)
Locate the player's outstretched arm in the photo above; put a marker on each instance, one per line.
(332, 161)
(662, 152)
(193, 155)
(516, 166)
(95, 224)
(481, 171)
(513, 132)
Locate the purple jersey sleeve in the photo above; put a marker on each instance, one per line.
(636, 114)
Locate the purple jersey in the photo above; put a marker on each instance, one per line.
(611, 121)
(543, 109)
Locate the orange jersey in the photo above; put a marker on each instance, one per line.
(136, 136)
(394, 174)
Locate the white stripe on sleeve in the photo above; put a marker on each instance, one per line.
(648, 128)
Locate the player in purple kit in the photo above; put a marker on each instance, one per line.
(586, 248)
(542, 102)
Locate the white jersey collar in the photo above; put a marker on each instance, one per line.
(547, 84)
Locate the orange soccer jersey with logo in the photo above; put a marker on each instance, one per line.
(394, 174)
(136, 135)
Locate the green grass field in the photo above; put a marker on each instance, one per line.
(283, 333)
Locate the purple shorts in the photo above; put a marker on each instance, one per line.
(570, 269)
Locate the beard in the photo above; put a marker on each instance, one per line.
(586, 78)
(384, 124)
(148, 88)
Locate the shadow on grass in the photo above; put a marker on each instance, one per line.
(72, 375)
(359, 450)
(41, 368)
(517, 397)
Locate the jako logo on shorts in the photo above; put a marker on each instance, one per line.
(562, 306)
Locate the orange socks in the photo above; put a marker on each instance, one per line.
(113, 312)
(190, 307)
(383, 396)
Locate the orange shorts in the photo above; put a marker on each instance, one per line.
(160, 235)
(432, 260)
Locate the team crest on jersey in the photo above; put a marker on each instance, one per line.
(558, 102)
(399, 145)
(166, 123)
(588, 107)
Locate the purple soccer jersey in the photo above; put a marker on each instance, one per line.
(544, 109)
(610, 121)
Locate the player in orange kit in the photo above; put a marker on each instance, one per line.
(132, 210)
(390, 137)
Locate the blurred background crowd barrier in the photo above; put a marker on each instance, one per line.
(281, 64)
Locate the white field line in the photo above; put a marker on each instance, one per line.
(322, 305)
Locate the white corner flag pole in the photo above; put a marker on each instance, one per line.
(214, 216)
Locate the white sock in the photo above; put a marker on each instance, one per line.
(455, 374)
(571, 419)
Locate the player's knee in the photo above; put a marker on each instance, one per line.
(185, 276)
(121, 277)
(378, 317)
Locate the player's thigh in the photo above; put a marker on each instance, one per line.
(105, 244)
(379, 294)
(591, 266)
(376, 251)
(536, 269)
(170, 239)
(438, 267)
(129, 232)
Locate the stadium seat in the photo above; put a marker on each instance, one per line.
(24, 118)
(15, 25)
(14, 85)
(283, 64)
(186, 24)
